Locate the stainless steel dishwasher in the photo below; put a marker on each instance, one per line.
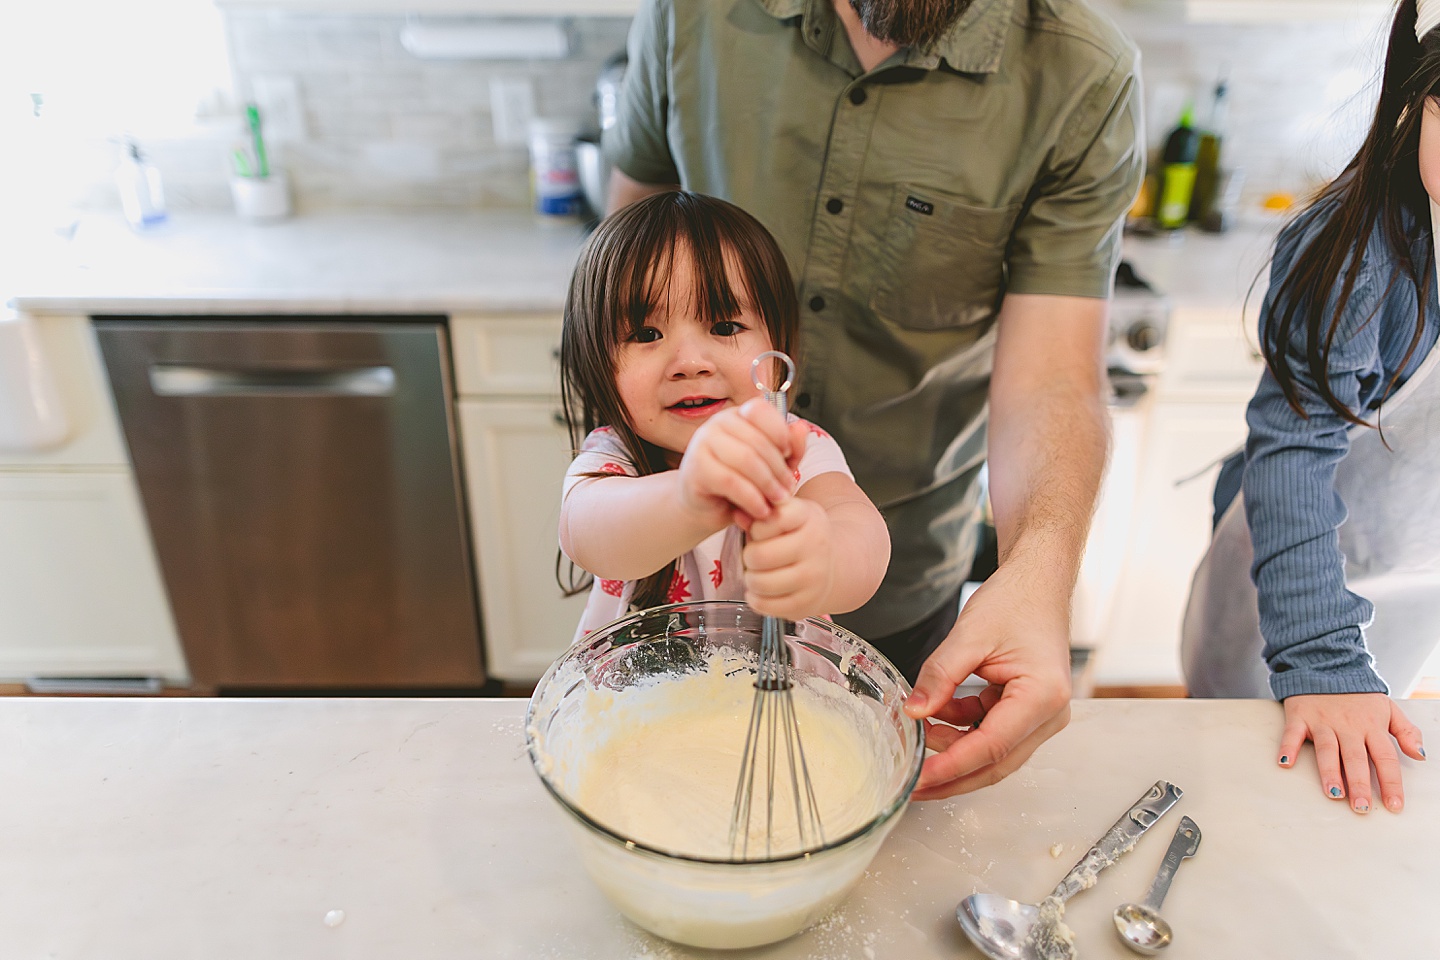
(302, 487)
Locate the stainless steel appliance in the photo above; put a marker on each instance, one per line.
(303, 492)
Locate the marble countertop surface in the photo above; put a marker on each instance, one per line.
(172, 828)
(199, 263)
(320, 263)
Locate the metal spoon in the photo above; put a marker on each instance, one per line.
(1007, 929)
(1140, 924)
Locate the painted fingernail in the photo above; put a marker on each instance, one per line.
(1362, 806)
(1422, 753)
(1335, 791)
(1284, 760)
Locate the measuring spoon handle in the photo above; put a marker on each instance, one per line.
(1182, 846)
(1120, 838)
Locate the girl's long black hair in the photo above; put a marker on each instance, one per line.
(1380, 185)
(622, 277)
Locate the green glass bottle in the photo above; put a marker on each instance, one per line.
(1177, 179)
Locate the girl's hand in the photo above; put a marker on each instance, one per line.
(740, 464)
(789, 561)
(1352, 731)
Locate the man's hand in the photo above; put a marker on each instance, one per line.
(1350, 732)
(1047, 443)
(1017, 640)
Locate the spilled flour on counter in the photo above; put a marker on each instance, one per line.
(1052, 939)
(667, 758)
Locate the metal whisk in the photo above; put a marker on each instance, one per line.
(772, 740)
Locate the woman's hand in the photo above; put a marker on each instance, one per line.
(1350, 732)
(790, 561)
(740, 464)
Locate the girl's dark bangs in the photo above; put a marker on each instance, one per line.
(641, 266)
(713, 294)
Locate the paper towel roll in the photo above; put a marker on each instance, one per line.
(31, 415)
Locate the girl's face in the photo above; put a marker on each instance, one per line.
(1430, 149)
(676, 372)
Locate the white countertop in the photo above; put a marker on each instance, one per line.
(323, 263)
(178, 828)
(436, 263)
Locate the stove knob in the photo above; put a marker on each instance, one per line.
(1143, 335)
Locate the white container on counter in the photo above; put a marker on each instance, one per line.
(554, 171)
(261, 198)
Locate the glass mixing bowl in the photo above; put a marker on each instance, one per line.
(696, 900)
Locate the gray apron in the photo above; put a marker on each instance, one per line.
(1391, 543)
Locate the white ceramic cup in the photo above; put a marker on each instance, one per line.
(261, 198)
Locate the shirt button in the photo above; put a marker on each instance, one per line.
(817, 304)
(858, 95)
(802, 401)
(834, 205)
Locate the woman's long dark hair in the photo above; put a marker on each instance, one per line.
(1380, 185)
(623, 277)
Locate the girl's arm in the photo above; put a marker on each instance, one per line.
(626, 528)
(736, 466)
(1310, 621)
(1312, 624)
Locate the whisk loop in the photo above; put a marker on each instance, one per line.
(773, 722)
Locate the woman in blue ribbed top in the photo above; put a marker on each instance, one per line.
(1336, 584)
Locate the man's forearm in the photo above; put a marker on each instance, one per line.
(1047, 459)
(1049, 433)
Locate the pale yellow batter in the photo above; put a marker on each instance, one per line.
(665, 773)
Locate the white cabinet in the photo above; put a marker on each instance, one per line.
(515, 451)
(80, 589)
(80, 594)
(1262, 11)
(507, 8)
(1194, 418)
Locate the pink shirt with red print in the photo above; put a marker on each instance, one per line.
(711, 571)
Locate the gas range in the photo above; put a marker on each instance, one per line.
(1139, 326)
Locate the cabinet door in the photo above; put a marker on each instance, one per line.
(1169, 534)
(80, 591)
(515, 455)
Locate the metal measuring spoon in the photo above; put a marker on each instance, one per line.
(1007, 929)
(1140, 924)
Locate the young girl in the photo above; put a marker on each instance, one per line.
(1339, 475)
(673, 299)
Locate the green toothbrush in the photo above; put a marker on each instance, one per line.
(262, 165)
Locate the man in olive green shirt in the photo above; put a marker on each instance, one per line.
(947, 180)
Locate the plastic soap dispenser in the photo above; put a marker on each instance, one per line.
(142, 196)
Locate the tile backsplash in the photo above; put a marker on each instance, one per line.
(374, 127)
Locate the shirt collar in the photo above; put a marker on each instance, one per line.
(973, 45)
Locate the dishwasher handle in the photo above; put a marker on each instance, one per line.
(181, 380)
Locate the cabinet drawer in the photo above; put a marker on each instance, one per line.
(506, 356)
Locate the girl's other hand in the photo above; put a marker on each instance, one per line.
(738, 465)
(1350, 732)
(789, 561)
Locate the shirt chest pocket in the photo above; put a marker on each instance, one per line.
(941, 262)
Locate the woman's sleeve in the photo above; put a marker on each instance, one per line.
(1312, 625)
